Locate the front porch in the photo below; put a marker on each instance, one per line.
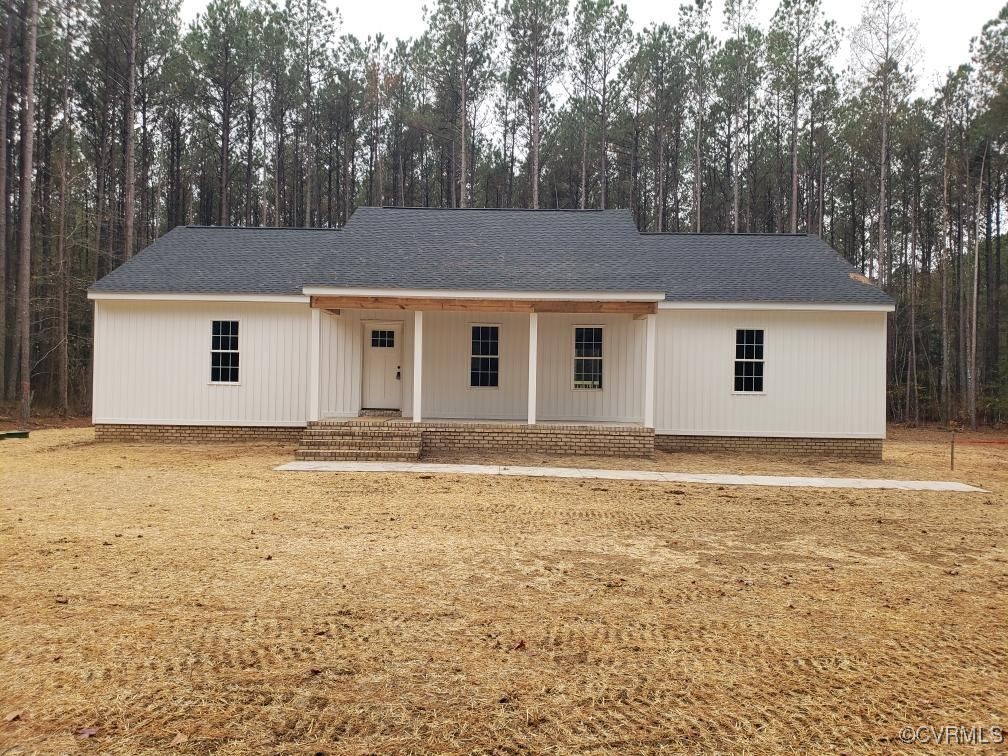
(486, 360)
(559, 374)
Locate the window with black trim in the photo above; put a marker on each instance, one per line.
(588, 357)
(224, 352)
(749, 360)
(484, 358)
(383, 339)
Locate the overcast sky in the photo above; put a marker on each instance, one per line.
(945, 27)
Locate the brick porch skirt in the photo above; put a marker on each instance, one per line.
(198, 434)
(868, 449)
(546, 438)
(586, 440)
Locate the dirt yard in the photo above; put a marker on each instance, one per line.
(192, 599)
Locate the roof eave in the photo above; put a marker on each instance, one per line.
(538, 294)
(173, 296)
(684, 304)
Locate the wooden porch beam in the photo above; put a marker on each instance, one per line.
(485, 305)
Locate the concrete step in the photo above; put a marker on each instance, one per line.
(322, 455)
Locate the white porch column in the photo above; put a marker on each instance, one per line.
(314, 364)
(417, 365)
(533, 358)
(650, 337)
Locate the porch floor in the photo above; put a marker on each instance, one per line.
(399, 420)
(641, 475)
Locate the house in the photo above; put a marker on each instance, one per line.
(550, 331)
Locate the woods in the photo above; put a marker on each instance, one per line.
(117, 124)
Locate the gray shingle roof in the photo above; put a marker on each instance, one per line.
(491, 250)
(789, 268)
(211, 260)
(503, 250)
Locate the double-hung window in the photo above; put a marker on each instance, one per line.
(588, 357)
(484, 357)
(749, 361)
(224, 352)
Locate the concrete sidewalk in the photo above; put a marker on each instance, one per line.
(643, 475)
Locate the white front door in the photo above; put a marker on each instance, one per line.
(382, 386)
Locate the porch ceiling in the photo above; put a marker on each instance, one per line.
(615, 307)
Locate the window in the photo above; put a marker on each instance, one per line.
(224, 352)
(588, 357)
(383, 339)
(484, 359)
(749, 361)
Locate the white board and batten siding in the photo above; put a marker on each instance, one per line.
(824, 371)
(824, 374)
(446, 352)
(152, 363)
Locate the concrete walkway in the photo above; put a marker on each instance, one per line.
(645, 475)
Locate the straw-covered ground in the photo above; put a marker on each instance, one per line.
(156, 598)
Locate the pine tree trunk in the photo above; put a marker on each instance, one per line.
(25, 211)
(696, 164)
(660, 170)
(911, 398)
(535, 144)
(794, 164)
(128, 146)
(603, 164)
(946, 373)
(584, 149)
(884, 265)
(5, 73)
(62, 324)
(463, 173)
(974, 297)
(735, 182)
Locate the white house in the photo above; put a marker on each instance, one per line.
(552, 331)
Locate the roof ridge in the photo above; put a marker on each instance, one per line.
(502, 209)
(258, 228)
(724, 233)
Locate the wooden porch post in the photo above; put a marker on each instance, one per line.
(417, 365)
(533, 357)
(651, 330)
(314, 365)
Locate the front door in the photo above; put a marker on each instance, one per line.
(382, 385)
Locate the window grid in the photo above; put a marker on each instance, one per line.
(224, 351)
(383, 339)
(588, 357)
(484, 357)
(749, 361)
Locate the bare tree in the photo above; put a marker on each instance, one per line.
(882, 43)
(129, 188)
(25, 209)
(5, 73)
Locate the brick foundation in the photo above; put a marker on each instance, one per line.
(586, 440)
(867, 449)
(198, 434)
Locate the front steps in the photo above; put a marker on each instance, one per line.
(364, 438)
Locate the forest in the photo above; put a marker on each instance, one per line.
(119, 122)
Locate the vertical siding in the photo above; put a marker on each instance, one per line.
(824, 374)
(621, 398)
(341, 359)
(446, 390)
(447, 345)
(152, 363)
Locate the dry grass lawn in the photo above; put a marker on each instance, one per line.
(192, 599)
